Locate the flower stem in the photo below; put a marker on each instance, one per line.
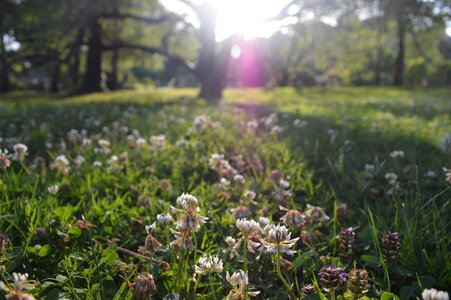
(211, 286)
(245, 255)
(279, 273)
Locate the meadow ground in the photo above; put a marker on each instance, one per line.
(355, 175)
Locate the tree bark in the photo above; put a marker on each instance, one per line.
(210, 70)
(5, 85)
(93, 75)
(398, 79)
(112, 78)
(54, 80)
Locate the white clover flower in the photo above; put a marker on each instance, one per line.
(158, 142)
(53, 189)
(370, 168)
(430, 174)
(298, 123)
(97, 164)
(5, 161)
(397, 154)
(186, 201)
(391, 177)
(433, 294)
(238, 178)
(276, 130)
(79, 160)
(447, 174)
(164, 219)
(239, 282)
(174, 296)
(316, 213)
(20, 151)
(182, 143)
(191, 218)
(284, 184)
(140, 142)
(61, 164)
(209, 264)
(278, 239)
(264, 221)
(16, 291)
(250, 195)
(248, 228)
(151, 227)
(445, 143)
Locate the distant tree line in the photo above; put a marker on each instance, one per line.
(84, 46)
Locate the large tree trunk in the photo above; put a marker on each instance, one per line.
(210, 69)
(398, 78)
(93, 75)
(5, 85)
(75, 59)
(54, 80)
(112, 78)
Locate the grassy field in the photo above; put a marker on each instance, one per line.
(355, 175)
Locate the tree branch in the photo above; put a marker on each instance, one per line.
(154, 50)
(146, 20)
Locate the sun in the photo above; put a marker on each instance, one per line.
(246, 17)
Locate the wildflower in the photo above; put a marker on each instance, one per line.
(358, 283)
(238, 178)
(298, 123)
(5, 161)
(293, 218)
(264, 221)
(79, 160)
(158, 142)
(140, 142)
(331, 277)
(346, 240)
(239, 281)
(61, 164)
(342, 211)
(143, 286)
(53, 189)
(370, 168)
(241, 212)
(430, 174)
(445, 143)
(231, 247)
(4, 241)
(278, 239)
(16, 291)
(397, 154)
(209, 264)
(433, 294)
(308, 289)
(97, 164)
(182, 240)
(390, 244)
(174, 296)
(248, 228)
(448, 174)
(164, 219)
(20, 151)
(316, 214)
(182, 143)
(191, 219)
(104, 146)
(250, 196)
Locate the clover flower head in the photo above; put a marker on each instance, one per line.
(278, 238)
(209, 264)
